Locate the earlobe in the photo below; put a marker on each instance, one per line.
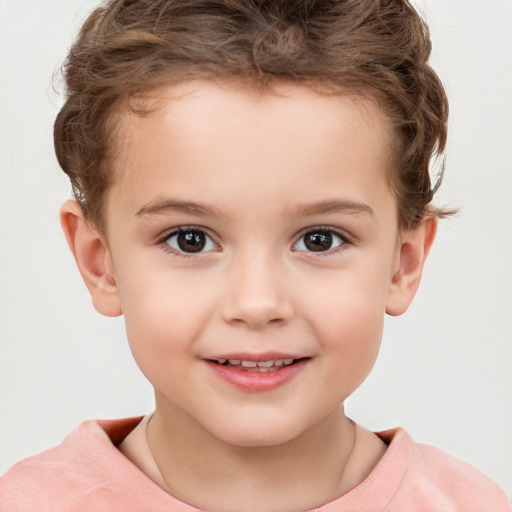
(93, 259)
(413, 252)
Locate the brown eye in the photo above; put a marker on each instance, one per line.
(319, 240)
(190, 241)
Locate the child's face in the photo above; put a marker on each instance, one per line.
(289, 248)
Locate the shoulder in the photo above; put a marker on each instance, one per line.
(59, 478)
(416, 477)
(441, 481)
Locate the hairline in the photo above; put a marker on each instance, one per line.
(141, 102)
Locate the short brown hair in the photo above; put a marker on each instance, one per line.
(127, 47)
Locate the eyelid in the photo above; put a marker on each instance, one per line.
(162, 240)
(180, 229)
(347, 239)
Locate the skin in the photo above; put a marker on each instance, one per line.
(256, 162)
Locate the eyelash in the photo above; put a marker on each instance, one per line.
(176, 231)
(346, 240)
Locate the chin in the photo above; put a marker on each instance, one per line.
(257, 435)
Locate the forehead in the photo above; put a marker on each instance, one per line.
(226, 140)
(197, 104)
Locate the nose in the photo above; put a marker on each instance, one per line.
(257, 294)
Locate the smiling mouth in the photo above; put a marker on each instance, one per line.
(256, 366)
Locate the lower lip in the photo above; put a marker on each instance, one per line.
(257, 382)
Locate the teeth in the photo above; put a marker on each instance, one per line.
(257, 365)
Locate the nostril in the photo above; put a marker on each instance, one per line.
(247, 308)
(277, 321)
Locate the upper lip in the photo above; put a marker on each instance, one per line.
(263, 356)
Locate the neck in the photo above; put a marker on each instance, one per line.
(199, 469)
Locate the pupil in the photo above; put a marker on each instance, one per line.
(318, 241)
(191, 241)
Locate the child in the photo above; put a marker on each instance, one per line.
(252, 194)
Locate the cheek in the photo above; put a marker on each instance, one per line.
(164, 319)
(347, 314)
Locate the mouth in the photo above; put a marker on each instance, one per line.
(257, 373)
(249, 365)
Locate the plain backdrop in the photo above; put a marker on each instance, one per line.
(444, 372)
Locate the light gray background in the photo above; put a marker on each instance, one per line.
(445, 368)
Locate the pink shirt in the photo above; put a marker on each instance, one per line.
(87, 473)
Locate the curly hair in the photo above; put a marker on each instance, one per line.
(379, 48)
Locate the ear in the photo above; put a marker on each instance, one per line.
(414, 248)
(92, 257)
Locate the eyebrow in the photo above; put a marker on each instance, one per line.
(167, 206)
(330, 206)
